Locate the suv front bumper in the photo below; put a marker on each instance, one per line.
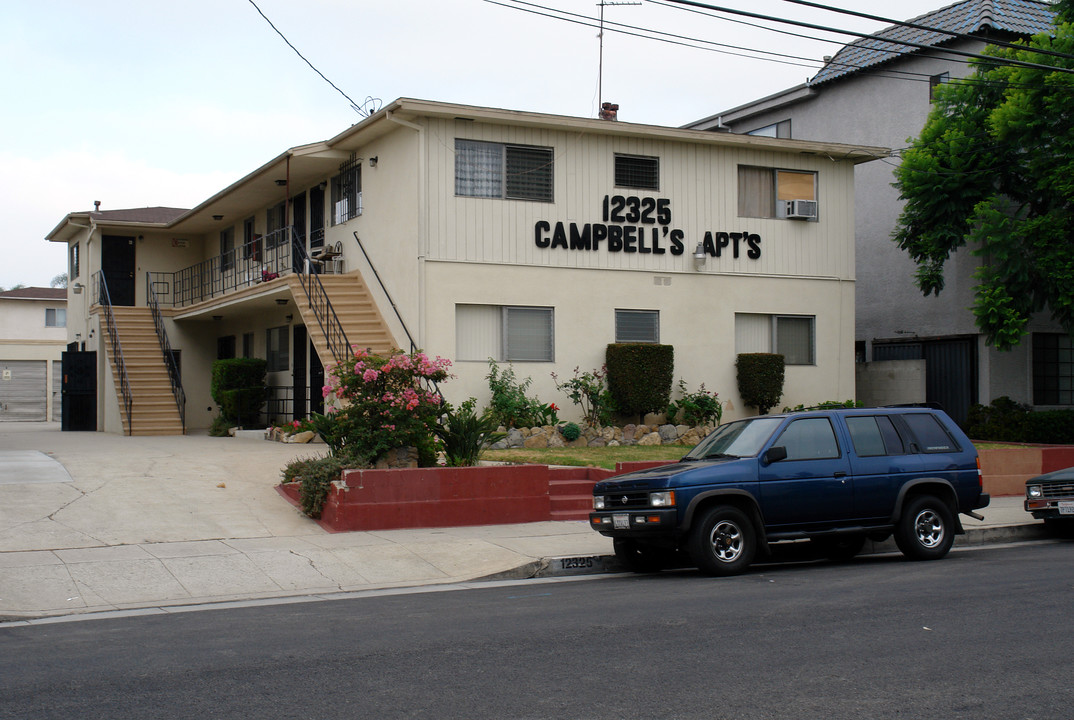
(645, 521)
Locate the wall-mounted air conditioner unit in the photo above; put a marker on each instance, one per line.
(802, 209)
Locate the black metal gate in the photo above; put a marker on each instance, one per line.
(78, 391)
(950, 370)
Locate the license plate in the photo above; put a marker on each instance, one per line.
(622, 522)
(1066, 508)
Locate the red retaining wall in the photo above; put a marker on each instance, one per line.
(1006, 470)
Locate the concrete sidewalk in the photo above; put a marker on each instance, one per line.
(91, 522)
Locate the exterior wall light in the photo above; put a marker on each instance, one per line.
(77, 289)
(373, 161)
(699, 256)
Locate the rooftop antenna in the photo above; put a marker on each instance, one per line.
(600, 60)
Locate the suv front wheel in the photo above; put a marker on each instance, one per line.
(926, 529)
(723, 541)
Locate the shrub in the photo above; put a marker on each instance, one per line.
(509, 405)
(317, 475)
(1010, 421)
(388, 404)
(570, 431)
(696, 408)
(760, 380)
(588, 392)
(238, 388)
(464, 434)
(639, 376)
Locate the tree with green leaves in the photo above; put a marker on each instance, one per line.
(993, 170)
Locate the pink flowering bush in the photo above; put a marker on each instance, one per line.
(387, 403)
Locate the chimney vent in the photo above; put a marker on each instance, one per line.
(96, 206)
(609, 111)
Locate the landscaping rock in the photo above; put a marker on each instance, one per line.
(668, 434)
(652, 438)
(536, 441)
(406, 457)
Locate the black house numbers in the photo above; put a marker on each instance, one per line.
(631, 224)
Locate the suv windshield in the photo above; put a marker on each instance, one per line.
(743, 438)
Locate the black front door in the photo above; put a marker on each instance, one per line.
(117, 265)
(78, 391)
(298, 378)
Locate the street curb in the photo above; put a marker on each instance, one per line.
(597, 564)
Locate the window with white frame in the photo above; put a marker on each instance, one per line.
(781, 129)
(277, 344)
(792, 336)
(637, 326)
(55, 317)
(347, 192)
(637, 171)
(774, 193)
(504, 333)
(497, 170)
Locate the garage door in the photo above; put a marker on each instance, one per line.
(22, 390)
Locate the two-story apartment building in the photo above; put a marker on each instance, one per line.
(476, 233)
(33, 334)
(878, 91)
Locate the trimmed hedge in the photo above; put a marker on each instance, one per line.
(238, 387)
(1009, 421)
(760, 380)
(639, 376)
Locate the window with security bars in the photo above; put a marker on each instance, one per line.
(1053, 369)
(504, 333)
(347, 192)
(637, 326)
(792, 336)
(497, 170)
(637, 171)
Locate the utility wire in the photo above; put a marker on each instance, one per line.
(927, 28)
(360, 109)
(866, 36)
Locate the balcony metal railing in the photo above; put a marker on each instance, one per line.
(102, 298)
(254, 262)
(169, 356)
(334, 335)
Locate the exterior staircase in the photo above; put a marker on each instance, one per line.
(571, 493)
(356, 310)
(153, 408)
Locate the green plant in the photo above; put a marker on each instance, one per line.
(570, 431)
(388, 403)
(237, 386)
(639, 376)
(316, 475)
(464, 434)
(219, 426)
(760, 380)
(509, 404)
(588, 392)
(696, 408)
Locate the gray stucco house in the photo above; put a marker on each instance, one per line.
(877, 93)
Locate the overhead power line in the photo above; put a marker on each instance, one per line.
(866, 36)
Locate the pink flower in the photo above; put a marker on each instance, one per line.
(370, 375)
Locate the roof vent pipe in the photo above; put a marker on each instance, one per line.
(96, 206)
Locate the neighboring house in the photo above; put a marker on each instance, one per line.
(33, 334)
(476, 233)
(877, 93)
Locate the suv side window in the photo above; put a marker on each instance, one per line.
(809, 439)
(930, 434)
(874, 436)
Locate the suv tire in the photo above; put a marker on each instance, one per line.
(724, 541)
(926, 529)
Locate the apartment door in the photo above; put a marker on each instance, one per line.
(298, 222)
(117, 265)
(316, 381)
(299, 387)
(78, 391)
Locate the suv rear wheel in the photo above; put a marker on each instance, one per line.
(723, 542)
(926, 529)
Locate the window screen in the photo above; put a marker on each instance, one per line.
(529, 173)
(637, 326)
(528, 334)
(637, 171)
(512, 334)
(794, 339)
(494, 170)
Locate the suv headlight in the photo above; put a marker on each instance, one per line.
(598, 502)
(1033, 491)
(664, 498)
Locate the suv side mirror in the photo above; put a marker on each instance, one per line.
(775, 454)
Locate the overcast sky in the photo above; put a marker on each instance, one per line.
(144, 102)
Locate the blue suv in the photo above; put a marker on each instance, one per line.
(835, 477)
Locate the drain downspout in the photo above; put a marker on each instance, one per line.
(423, 235)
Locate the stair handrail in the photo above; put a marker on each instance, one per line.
(105, 301)
(413, 345)
(319, 303)
(166, 348)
